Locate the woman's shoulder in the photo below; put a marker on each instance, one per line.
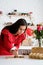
(6, 32)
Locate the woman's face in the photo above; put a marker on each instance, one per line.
(21, 30)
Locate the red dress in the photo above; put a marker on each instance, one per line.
(29, 31)
(8, 41)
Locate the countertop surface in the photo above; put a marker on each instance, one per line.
(20, 61)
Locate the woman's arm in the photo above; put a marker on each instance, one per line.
(8, 42)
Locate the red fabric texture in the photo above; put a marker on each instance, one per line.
(29, 31)
(8, 41)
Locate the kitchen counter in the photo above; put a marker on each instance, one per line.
(20, 61)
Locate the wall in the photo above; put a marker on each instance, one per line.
(22, 6)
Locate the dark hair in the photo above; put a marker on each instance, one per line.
(15, 26)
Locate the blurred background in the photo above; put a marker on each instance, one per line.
(31, 10)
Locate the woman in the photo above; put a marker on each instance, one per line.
(12, 37)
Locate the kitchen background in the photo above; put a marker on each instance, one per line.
(22, 6)
(31, 10)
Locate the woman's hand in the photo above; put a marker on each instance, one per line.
(14, 52)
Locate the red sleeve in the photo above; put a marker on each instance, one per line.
(7, 40)
(29, 31)
(19, 40)
(23, 36)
